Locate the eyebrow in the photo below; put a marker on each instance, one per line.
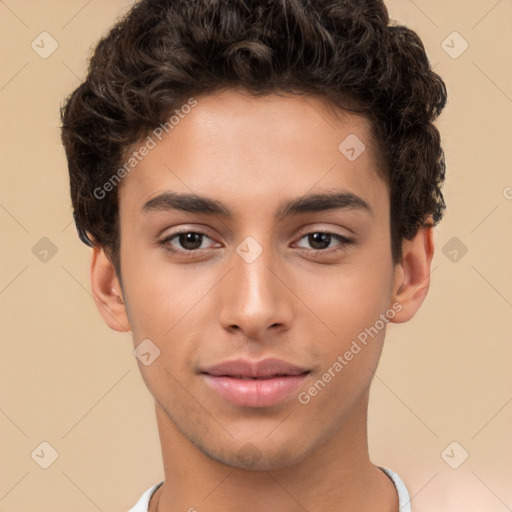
(194, 203)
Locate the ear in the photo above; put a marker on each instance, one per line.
(107, 292)
(412, 274)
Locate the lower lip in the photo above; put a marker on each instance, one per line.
(255, 392)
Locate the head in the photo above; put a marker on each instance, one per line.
(274, 121)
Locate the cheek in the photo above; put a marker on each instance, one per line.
(350, 356)
(347, 299)
(351, 300)
(160, 294)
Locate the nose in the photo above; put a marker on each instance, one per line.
(255, 300)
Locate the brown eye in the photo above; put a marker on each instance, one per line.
(320, 240)
(186, 241)
(190, 241)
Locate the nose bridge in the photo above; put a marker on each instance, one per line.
(255, 300)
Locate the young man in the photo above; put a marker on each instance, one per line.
(259, 182)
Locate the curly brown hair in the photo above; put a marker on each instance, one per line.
(348, 52)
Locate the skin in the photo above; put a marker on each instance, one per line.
(297, 301)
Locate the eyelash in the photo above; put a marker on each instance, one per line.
(343, 241)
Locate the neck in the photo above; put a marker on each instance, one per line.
(337, 476)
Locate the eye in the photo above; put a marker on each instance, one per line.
(194, 241)
(321, 240)
(185, 241)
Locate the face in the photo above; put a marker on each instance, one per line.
(285, 253)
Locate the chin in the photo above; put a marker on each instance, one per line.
(257, 456)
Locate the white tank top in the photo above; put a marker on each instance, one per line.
(404, 502)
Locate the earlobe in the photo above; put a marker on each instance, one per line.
(412, 274)
(107, 292)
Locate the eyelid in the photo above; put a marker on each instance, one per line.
(325, 226)
(348, 234)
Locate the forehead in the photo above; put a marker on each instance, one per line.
(245, 149)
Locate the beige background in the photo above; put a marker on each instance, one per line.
(68, 380)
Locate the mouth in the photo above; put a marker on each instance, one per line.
(245, 377)
(255, 384)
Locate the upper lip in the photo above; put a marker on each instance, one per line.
(270, 367)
